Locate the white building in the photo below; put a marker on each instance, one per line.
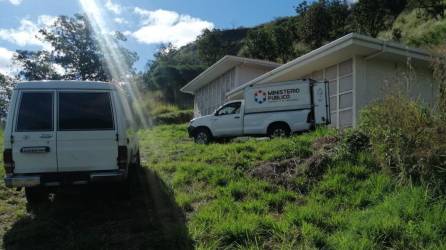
(211, 86)
(360, 69)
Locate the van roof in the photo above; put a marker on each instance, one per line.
(64, 84)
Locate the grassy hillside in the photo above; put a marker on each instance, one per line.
(416, 30)
(302, 192)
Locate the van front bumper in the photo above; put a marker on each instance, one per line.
(59, 179)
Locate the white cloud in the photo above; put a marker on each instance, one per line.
(120, 20)
(16, 2)
(113, 7)
(28, 32)
(6, 61)
(164, 26)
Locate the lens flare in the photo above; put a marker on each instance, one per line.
(115, 60)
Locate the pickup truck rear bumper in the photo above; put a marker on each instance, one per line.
(58, 179)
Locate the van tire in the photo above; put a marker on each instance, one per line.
(202, 136)
(36, 195)
(138, 160)
(276, 130)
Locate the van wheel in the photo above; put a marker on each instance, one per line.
(138, 160)
(36, 195)
(279, 130)
(202, 136)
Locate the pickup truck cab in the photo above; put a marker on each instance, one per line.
(67, 133)
(273, 110)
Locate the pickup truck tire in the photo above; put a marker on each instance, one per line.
(202, 136)
(278, 130)
(36, 195)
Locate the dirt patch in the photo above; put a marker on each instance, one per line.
(285, 172)
(277, 172)
(325, 143)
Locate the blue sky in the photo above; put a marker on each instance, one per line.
(146, 24)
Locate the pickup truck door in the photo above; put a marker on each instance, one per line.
(228, 120)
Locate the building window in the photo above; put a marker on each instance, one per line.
(340, 79)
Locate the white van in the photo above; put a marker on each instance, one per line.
(67, 133)
(274, 109)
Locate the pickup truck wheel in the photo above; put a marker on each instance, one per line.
(36, 195)
(202, 136)
(279, 130)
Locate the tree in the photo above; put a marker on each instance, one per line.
(284, 38)
(214, 44)
(77, 50)
(322, 21)
(6, 85)
(372, 16)
(35, 65)
(260, 44)
(432, 8)
(340, 19)
(170, 70)
(315, 24)
(210, 46)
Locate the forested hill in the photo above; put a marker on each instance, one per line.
(414, 22)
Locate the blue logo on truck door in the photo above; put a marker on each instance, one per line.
(260, 96)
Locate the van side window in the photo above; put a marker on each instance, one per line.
(85, 111)
(35, 112)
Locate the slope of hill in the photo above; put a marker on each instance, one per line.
(413, 29)
(302, 192)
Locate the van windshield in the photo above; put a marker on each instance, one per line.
(85, 111)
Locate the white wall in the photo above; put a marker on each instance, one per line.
(211, 96)
(341, 89)
(247, 72)
(377, 77)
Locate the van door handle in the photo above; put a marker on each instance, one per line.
(45, 136)
(42, 149)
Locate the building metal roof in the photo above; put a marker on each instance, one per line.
(220, 67)
(334, 52)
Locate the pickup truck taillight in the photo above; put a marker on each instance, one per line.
(8, 162)
(122, 157)
(310, 117)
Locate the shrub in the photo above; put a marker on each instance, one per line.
(407, 139)
(356, 141)
(175, 117)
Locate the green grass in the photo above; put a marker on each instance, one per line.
(12, 203)
(352, 206)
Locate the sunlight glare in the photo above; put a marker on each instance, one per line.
(114, 58)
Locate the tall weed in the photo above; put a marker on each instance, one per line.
(407, 140)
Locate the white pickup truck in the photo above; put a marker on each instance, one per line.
(275, 109)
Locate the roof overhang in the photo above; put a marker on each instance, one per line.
(339, 50)
(220, 67)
